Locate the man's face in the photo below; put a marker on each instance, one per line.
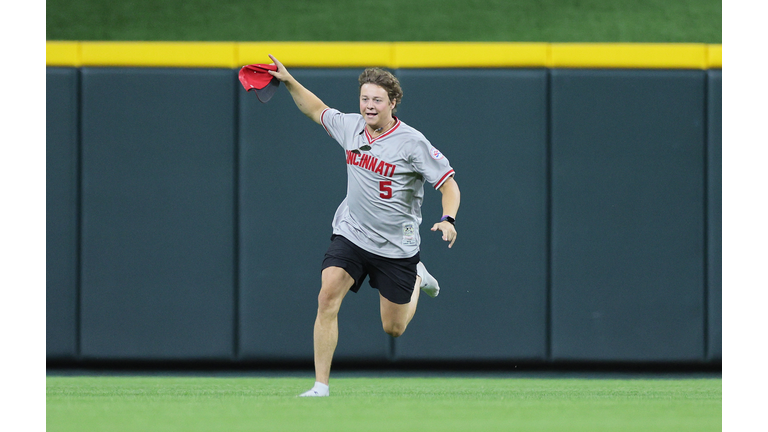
(375, 105)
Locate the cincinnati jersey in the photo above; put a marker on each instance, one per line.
(385, 183)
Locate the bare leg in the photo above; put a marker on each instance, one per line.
(336, 283)
(395, 317)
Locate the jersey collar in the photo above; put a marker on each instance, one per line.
(371, 140)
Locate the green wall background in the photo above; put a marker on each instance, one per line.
(698, 21)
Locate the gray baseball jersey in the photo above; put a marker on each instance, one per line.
(385, 184)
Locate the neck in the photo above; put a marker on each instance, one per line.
(384, 128)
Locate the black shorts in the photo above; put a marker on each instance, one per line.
(393, 277)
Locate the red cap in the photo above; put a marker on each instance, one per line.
(255, 77)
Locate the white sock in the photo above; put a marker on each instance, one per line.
(428, 283)
(319, 389)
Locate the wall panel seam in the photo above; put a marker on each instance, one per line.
(548, 212)
(705, 257)
(78, 212)
(236, 218)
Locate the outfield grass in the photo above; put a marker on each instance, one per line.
(382, 404)
(393, 20)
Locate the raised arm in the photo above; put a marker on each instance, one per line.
(305, 100)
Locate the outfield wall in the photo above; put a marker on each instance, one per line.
(187, 221)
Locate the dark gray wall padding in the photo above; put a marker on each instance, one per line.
(715, 214)
(158, 228)
(61, 212)
(628, 215)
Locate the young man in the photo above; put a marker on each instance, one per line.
(376, 227)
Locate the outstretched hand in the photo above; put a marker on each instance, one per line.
(448, 230)
(281, 73)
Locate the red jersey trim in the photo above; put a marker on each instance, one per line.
(444, 178)
(371, 140)
(322, 122)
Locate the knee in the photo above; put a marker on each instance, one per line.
(327, 301)
(335, 284)
(394, 329)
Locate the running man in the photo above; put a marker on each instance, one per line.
(376, 227)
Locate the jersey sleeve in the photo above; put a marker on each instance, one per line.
(431, 163)
(337, 124)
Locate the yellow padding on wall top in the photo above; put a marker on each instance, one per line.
(172, 54)
(469, 54)
(715, 56)
(317, 54)
(623, 55)
(63, 54)
(385, 54)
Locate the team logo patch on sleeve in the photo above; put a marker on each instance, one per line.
(436, 155)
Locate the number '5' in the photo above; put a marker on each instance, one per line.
(385, 186)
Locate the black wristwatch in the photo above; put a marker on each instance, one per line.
(448, 219)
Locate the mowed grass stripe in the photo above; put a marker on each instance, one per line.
(381, 404)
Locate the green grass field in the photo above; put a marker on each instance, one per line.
(394, 20)
(129, 403)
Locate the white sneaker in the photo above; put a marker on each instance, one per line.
(428, 283)
(318, 390)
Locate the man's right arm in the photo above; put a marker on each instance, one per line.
(305, 100)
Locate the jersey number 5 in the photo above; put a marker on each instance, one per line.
(385, 186)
